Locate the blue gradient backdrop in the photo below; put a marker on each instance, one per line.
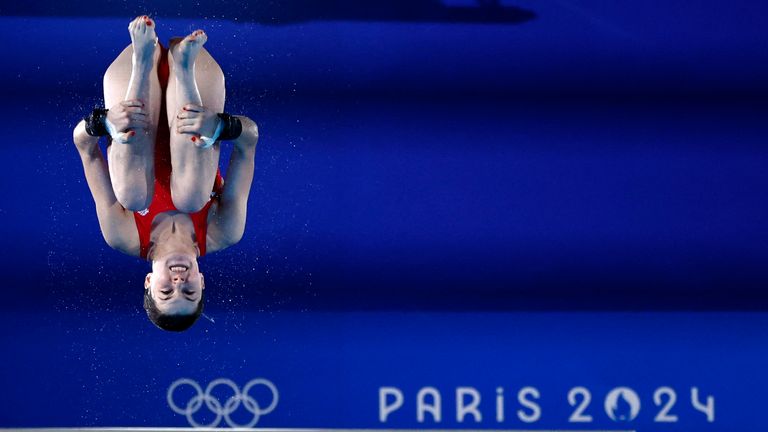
(547, 193)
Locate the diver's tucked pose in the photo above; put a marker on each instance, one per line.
(161, 196)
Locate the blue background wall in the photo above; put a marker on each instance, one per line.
(545, 193)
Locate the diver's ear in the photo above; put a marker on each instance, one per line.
(202, 281)
(146, 281)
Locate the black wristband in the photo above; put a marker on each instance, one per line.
(232, 127)
(95, 124)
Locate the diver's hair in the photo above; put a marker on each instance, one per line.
(176, 322)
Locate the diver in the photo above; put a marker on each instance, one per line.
(161, 196)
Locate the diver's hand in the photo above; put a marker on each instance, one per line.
(127, 119)
(197, 120)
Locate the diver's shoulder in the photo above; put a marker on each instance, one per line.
(127, 246)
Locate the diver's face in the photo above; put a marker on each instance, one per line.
(175, 284)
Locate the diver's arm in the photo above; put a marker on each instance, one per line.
(227, 224)
(117, 224)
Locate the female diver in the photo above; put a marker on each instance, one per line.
(161, 196)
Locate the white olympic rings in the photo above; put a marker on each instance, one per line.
(215, 406)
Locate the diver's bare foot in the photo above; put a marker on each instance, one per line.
(143, 39)
(185, 52)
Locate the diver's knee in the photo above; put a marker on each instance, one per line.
(188, 200)
(133, 200)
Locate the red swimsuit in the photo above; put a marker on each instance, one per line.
(161, 200)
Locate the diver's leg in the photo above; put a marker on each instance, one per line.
(195, 78)
(133, 76)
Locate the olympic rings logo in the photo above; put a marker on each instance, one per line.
(214, 405)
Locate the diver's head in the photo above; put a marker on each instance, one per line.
(173, 292)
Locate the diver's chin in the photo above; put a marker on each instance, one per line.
(177, 259)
